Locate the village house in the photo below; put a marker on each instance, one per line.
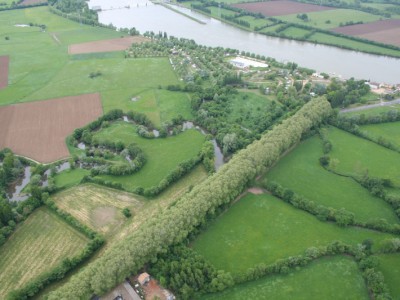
(143, 278)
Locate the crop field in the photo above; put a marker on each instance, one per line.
(262, 229)
(162, 154)
(40, 243)
(280, 8)
(331, 18)
(4, 63)
(301, 167)
(356, 156)
(118, 44)
(38, 129)
(389, 265)
(327, 278)
(389, 131)
(97, 207)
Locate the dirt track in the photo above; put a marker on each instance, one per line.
(118, 44)
(4, 62)
(38, 130)
(386, 31)
(280, 7)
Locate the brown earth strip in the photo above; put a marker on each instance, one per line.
(4, 64)
(118, 44)
(38, 130)
(391, 36)
(280, 7)
(32, 2)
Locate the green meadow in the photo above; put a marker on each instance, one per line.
(388, 131)
(263, 229)
(389, 265)
(301, 172)
(162, 154)
(70, 177)
(332, 278)
(373, 111)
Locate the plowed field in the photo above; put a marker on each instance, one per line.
(105, 45)
(38, 130)
(4, 61)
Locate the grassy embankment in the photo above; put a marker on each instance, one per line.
(37, 245)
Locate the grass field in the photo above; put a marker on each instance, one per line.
(263, 229)
(301, 172)
(331, 18)
(98, 207)
(37, 245)
(356, 156)
(162, 154)
(389, 265)
(328, 278)
(389, 131)
(254, 22)
(373, 111)
(70, 177)
(295, 32)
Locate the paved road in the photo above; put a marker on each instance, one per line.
(388, 103)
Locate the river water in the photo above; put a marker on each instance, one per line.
(145, 16)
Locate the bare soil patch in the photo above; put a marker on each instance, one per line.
(4, 62)
(385, 31)
(38, 130)
(153, 291)
(32, 2)
(118, 44)
(255, 191)
(280, 7)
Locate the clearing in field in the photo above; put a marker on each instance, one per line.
(327, 278)
(389, 265)
(301, 172)
(38, 130)
(384, 31)
(38, 244)
(97, 207)
(280, 8)
(4, 61)
(262, 229)
(118, 44)
(162, 154)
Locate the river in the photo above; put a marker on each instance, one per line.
(145, 16)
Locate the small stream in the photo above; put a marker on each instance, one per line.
(15, 191)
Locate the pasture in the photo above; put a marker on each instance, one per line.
(330, 278)
(70, 177)
(295, 32)
(373, 111)
(98, 207)
(262, 229)
(389, 265)
(38, 244)
(388, 131)
(356, 156)
(301, 172)
(162, 154)
(38, 129)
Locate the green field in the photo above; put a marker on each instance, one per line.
(389, 131)
(296, 32)
(301, 172)
(331, 18)
(263, 229)
(357, 156)
(70, 177)
(163, 154)
(373, 111)
(254, 22)
(389, 265)
(37, 245)
(327, 278)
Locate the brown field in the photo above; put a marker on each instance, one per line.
(38, 130)
(118, 44)
(386, 31)
(280, 7)
(31, 2)
(4, 62)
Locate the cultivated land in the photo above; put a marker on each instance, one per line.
(4, 62)
(356, 156)
(118, 44)
(280, 8)
(37, 245)
(162, 154)
(97, 207)
(385, 31)
(327, 278)
(38, 129)
(389, 131)
(300, 167)
(262, 229)
(389, 265)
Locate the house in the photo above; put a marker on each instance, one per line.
(144, 278)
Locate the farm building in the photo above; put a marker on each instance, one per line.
(243, 63)
(144, 278)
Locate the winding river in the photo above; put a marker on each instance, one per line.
(145, 16)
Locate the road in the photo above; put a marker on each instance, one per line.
(388, 103)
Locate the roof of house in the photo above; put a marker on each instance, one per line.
(143, 277)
